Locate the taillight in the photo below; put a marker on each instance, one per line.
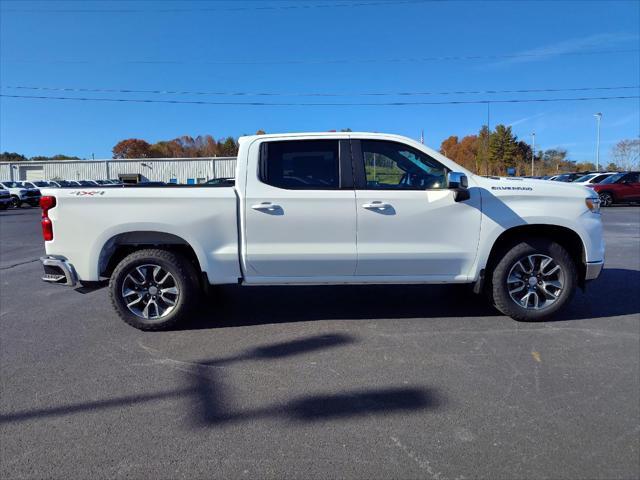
(46, 204)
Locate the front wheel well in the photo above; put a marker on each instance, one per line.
(566, 237)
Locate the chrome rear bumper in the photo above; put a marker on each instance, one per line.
(58, 270)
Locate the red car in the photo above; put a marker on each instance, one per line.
(623, 187)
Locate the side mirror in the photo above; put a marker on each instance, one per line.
(457, 180)
(459, 183)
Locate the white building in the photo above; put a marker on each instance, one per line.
(174, 170)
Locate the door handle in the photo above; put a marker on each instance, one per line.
(376, 206)
(266, 206)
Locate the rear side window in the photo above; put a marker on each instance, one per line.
(632, 177)
(301, 164)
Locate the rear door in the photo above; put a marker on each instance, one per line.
(408, 221)
(300, 212)
(630, 187)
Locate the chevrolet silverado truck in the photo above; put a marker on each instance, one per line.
(326, 208)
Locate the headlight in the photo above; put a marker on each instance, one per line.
(593, 204)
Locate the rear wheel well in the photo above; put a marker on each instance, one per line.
(566, 237)
(119, 246)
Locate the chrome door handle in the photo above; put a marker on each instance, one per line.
(376, 206)
(266, 206)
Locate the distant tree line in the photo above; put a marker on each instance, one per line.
(17, 157)
(499, 151)
(181, 147)
(489, 152)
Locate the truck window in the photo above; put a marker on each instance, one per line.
(394, 166)
(301, 164)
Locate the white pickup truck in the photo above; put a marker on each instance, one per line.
(326, 208)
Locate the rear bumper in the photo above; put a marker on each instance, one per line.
(593, 270)
(58, 270)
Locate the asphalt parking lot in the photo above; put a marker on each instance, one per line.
(320, 382)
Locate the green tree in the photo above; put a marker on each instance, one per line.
(502, 150)
(12, 157)
(55, 157)
(228, 148)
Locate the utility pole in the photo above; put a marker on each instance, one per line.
(533, 150)
(487, 139)
(598, 117)
(422, 137)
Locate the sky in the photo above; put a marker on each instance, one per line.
(305, 52)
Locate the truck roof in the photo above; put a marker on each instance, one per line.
(324, 134)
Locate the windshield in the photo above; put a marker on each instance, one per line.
(12, 184)
(585, 178)
(612, 178)
(41, 184)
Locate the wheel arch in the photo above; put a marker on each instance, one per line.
(564, 236)
(123, 244)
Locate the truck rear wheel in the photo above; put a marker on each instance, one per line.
(533, 280)
(154, 289)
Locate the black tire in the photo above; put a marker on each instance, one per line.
(606, 199)
(499, 289)
(15, 202)
(184, 276)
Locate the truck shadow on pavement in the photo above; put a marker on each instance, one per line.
(209, 404)
(614, 293)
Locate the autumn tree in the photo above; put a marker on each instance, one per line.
(131, 148)
(585, 167)
(261, 132)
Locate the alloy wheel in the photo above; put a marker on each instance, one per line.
(535, 282)
(149, 291)
(606, 199)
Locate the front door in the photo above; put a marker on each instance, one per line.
(409, 223)
(300, 212)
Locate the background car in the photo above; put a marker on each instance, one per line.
(622, 187)
(21, 194)
(567, 177)
(67, 183)
(591, 178)
(39, 184)
(88, 183)
(5, 199)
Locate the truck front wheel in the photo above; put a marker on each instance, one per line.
(154, 289)
(533, 280)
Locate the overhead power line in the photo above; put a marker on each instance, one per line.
(440, 58)
(316, 94)
(296, 6)
(330, 104)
